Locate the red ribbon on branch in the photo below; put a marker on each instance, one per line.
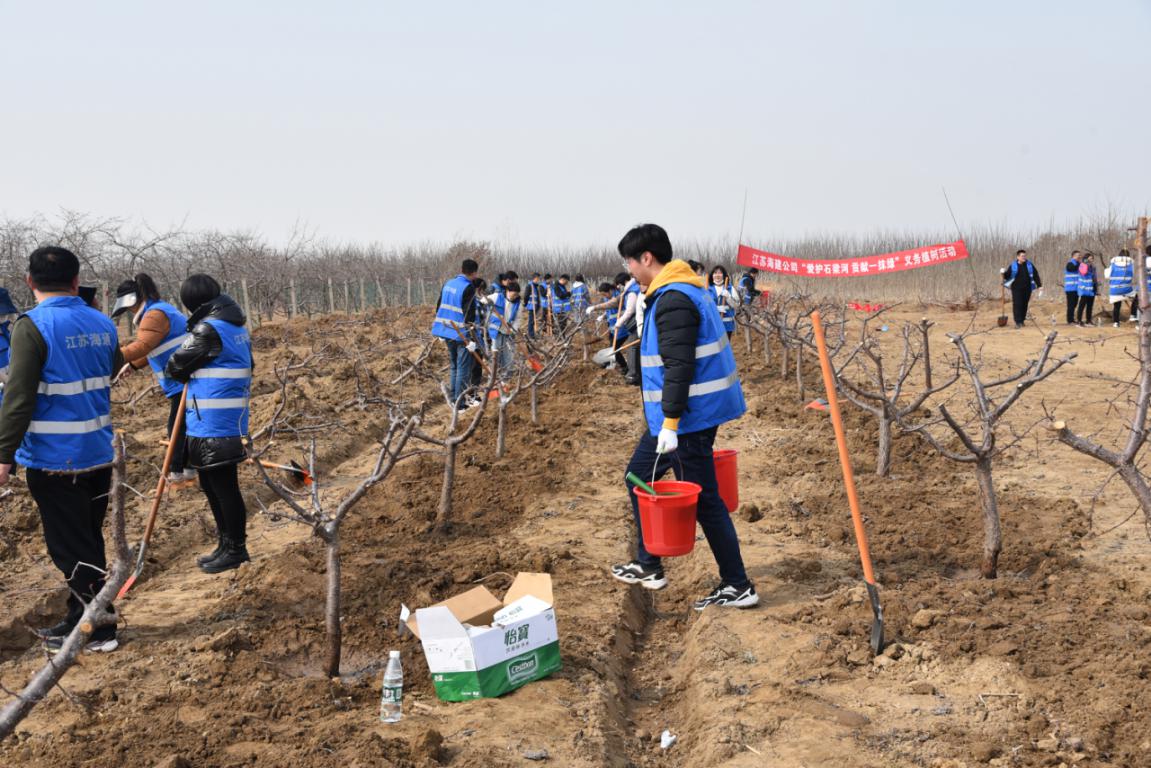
(878, 264)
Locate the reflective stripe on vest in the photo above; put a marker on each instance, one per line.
(714, 395)
(158, 357)
(1071, 279)
(508, 315)
(451, 308)
(71, 424)
(1087, 283)
(726, 311)
(218, 394)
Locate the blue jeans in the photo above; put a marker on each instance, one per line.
(692, 462)
(505, 347)
(461, 362)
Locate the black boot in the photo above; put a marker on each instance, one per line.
(234, 554)
(219, 550)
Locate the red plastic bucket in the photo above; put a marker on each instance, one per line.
(727, 475)
(668, 522)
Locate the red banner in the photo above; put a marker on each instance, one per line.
(864, 265)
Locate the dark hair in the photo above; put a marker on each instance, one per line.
(501, 277)
(1125, 252)
(197, 290)
(646, 238)
(53, 268)
(605, 287)
(1021, 250)
(579, 278)
(720, 268)
(147, 286)
(512, 287)
(535, 275)
(695, 265)
(1074, 252)
(88, 294)
(753, 271)
(469, 267)
(622, 278)
(511, 275)
(564, 277)
(548, 276)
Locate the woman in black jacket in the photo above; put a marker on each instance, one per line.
(216, 363)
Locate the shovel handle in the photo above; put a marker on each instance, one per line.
(841, 443)
(634, 479)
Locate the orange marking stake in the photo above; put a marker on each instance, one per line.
(849, 482)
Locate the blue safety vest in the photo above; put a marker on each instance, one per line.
(726, 311)
(612, 311)
(579, 297)
(71, 427)
(218, 393)
(715, 396)
(1122, 281)
(1087, 282)
(1071, 279)
(507, 310)
(5, 353)
(747, 285)
(1014, 270)
(158, 357)
(561, 306)
(451, 309)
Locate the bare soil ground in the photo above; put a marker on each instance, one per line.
(1046, 665)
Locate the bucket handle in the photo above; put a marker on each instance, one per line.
(655, 464)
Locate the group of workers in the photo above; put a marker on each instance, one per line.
(1080, 285)
(477, 322)
(682, 361)
(58, 364)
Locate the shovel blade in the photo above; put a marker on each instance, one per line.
(877, 619)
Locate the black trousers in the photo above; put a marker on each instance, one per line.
(1019, 302)
(1072, 302)
(222, 487)
(1119, 305)
(1086, 310)
(180, 438)
(72, 511)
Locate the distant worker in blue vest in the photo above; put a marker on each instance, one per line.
(1022, 278)
(690, 387)
(455, 324)
(561, 303)
(1071, 285)
(8, 315)
(747, 286)
(581, 296)
(160, 328)
(726, 297)
(503, 324)
(1120, 276)
(532, 303)
(215, 361)
(1088, 287)
(56, 422)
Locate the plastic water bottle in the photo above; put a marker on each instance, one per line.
(392, 698)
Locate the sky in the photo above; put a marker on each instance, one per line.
(565, 124)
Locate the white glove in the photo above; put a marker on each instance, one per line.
(590, 311)
(471, 346)
(1039, 292)
(1003, 271)
(667, 441)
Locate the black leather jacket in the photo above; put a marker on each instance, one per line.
(202, 346)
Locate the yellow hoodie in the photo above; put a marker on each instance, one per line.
(675, 271)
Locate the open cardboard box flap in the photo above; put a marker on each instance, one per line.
(477, 606)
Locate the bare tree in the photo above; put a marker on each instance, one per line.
(978, 435)
(97, 612)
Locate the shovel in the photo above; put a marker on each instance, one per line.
(1002, 320)
(849, 482)
(297, 474)
(150, 525)
(605, 356)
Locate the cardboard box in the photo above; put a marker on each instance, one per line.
(474, 655)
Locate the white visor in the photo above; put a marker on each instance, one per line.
(127, 301)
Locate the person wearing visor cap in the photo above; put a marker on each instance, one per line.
(160, 329)
(8, 313)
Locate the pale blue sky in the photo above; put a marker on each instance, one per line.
(566, 123)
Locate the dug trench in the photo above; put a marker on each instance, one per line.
(225, 671)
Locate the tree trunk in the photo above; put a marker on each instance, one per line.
(747, 337)
(992, 534)
(799, 373)
(501, 428)
(445, 510)
(766, 348)
(783, 361)
(535, 407)
(883, 458)
(1139, 488)
(332, 610)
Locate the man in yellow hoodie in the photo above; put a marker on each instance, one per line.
(690, 386)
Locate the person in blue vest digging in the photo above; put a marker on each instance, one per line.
(56, 421)
(454, 323)
(160, 328)
(215, 361)
(690, 386)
